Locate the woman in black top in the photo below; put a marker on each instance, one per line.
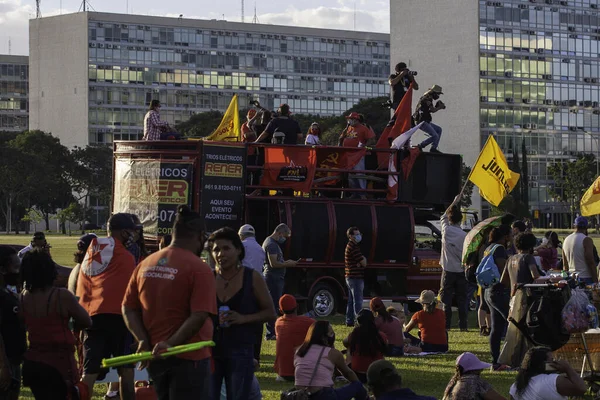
(520, 270)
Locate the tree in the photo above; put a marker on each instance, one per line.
(34, 217)
(74, 212)
(200, 124)
(467, 184)
(572, 179)
(525, 177)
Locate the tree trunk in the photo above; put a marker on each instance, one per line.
(47, 221)
(63, 227)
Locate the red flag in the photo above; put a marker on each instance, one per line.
(336, 158)
(290, 167)
(409, 161)
(392, 194)
(402, 122)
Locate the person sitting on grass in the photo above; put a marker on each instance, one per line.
(385, 383)
(390, 326)
(290, 331)
(467, 384)
(431, 322)
(542, 377)
(315, 362)
(365, 344)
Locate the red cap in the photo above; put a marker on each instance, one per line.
(251, 113)
(353, 115)
(287, 302)
(377, 304)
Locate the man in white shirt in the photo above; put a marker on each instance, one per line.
(454, 282)
(255, 255)
(38, 241)
(578, 253)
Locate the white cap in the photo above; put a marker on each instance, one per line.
(246, 229)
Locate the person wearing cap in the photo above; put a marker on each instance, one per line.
(290, 331)
(385, 383)
(425, 108)
(38, 241)
(578, 253)
(356, 135)
(82, 245)
(467, 382)
(283, 123)
(390, 326)
(313, 136)
(101, 285)
(431, 322)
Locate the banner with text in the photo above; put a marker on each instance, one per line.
(223, 185)
(152, 190)
(290, 167)
(336, 158)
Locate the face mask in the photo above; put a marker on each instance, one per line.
(544, 241)
(358, 238)
(281, 240)
(12, 278)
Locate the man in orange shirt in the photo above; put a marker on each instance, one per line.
(356, 135)
(103, 277)
(170, 300)
(290, 331)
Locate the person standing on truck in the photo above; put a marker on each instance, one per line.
(274, 270)
(356, 135)
(283, 123)
(355, 264)
(425, 108)
(103, 278)
(453, 283)
(153, 126)
(400, 82)
(578, 253)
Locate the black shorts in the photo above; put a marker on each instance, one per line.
(108, 337)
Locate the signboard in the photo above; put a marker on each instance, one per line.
(223, 185)
(152, 190)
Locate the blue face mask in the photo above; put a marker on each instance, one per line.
(281, 240)
(358, 238)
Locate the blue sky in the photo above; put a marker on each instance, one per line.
(371, 15)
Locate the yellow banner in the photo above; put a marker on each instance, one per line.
(491, 173)
(590, 202)
(229, 128)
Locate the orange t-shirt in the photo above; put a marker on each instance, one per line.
(103, 276)
(432, 326)
(167, 287)
(290, 331)
(357, 134)
(360, 363)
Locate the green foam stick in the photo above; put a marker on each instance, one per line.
(147, 355)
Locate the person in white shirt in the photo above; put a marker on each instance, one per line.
(38, 241)
(255, 255)
(453, 283)
(543, 378)
(313, 137)
(578, 253)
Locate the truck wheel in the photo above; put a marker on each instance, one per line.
(323, 300)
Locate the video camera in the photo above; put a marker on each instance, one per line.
(255, 103)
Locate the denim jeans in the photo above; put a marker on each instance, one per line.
(354, 390)
(255, 393)
(454, 285)
(471, 290)
(355, 298)
(355, 183)
(434, 132)
(236, 368)
(275, 285)
(498, 299)
(176, 378)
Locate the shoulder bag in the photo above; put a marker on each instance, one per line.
(302, 394)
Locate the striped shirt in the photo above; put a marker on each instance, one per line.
(352, 258)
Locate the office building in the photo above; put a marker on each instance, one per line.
(94, 74)
(14, 87)
(522, 70)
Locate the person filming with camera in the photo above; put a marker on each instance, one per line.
(426, 107)
(399, 83)
(285, 124)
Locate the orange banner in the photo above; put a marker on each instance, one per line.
(336, 158)
(291, 167)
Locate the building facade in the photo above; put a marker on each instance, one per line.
(523, 70)
(94, 74)
(14, 89)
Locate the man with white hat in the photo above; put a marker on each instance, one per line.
(425, 108)
(255, 255)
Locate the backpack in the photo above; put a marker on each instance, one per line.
(487, 273)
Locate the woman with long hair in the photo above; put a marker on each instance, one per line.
(313, 136)
(390, 326)
(49, 369)
(542, 377)
(318, 357)
(243, 301)
(467, 384)
(548, 251)
(82, 245)
(431, 322)
(365, 344)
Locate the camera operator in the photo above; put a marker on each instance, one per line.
(400, 81)
(285, 124)
(423, 112)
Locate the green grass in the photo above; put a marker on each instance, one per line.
(425, 375)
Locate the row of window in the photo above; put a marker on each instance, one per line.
(559, 44)
(537, 15)
(12, 122)
(11, 88)
(583, 120)
(13, 105)
(541, 93)
(553, 69)
(14, 71)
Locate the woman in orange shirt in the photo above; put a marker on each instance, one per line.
(433, 337)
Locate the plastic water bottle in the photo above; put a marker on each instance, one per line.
(222, 313)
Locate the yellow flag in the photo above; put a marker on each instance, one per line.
(590, 202)
(491, 174)
(229, 128)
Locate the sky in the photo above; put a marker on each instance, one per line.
(371, 15)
